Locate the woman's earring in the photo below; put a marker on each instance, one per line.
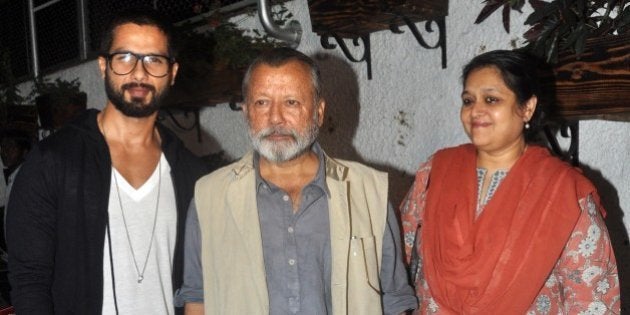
(527, 125)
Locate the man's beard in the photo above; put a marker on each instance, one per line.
(282, 151)
(135, 107)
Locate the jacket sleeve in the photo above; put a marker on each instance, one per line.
(31, 237)
(398, 295)
(192, 288)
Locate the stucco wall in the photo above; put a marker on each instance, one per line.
(410, 107)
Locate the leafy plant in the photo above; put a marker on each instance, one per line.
(9, 93)
(57, 102)
(221, 42)
(563, 24)
(214, 53)
(235, 46)
(505, 6)
(58, 89)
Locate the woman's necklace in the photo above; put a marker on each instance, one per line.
(122, 211)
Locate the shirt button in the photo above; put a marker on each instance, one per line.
(285, 198)
(291, 262)
(290, 229)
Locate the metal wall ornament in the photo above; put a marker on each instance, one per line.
(567, 129)
(365, 39)
(441, 29)
(352, 21)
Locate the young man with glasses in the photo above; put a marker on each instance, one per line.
(99, 207)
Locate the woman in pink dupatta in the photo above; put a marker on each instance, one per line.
(500, 226)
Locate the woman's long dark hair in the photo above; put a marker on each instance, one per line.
(520, 72)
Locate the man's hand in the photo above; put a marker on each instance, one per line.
(193, 309)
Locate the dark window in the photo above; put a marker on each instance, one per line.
(58, 31)
(14, 37)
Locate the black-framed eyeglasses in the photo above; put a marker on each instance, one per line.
(123, 63)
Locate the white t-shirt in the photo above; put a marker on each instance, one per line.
(154, 295)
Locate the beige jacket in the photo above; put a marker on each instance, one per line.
(232, 257)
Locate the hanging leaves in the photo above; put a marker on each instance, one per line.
(563, 24)
(493, 5)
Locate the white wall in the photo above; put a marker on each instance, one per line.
(410, 107)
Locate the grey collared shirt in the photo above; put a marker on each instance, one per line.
(296, 246)
(296, 251)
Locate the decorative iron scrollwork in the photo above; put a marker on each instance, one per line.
(355, 19)
(441, 28)
(235, 103)
(428, 26)
(367, 58)
(567, 129)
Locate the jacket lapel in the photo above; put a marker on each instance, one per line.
(245, 214)
(339, 215)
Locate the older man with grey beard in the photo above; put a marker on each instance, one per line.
(287, 229)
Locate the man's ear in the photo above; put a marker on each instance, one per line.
(321, 109)
(244, 108)
(174, 68)
(102, 65)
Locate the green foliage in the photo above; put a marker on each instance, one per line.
(564, 24)
(9, 93)
(505, 5)
(223, 43)
(58, 89)
(280, 14)
(234, 46)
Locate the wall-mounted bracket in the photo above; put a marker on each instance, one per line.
(367, 58)
(355, 20)
(428, 26)
(567, 129)
(235, 103)
(441, 28)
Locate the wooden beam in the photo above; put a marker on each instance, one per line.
(597, 85)
(353, 19)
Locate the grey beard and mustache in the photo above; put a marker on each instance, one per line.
(282, 151)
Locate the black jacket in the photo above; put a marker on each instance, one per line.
(56, 225)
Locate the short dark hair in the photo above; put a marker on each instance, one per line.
(280, 56)
(519, 71)
(16, 137)
(138, 16)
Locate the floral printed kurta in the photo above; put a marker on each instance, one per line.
(583, 281)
